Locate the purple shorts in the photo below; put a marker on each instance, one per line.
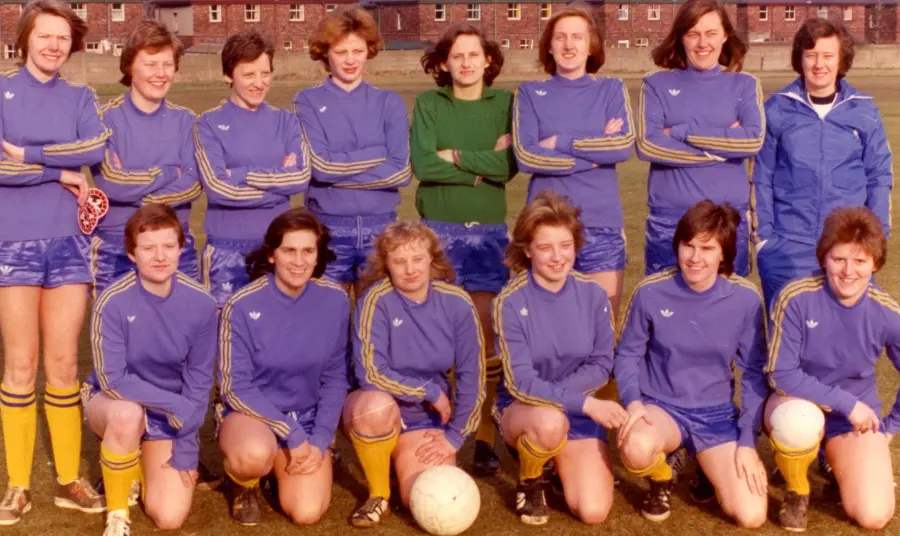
(580, 426)
(109, 260)
(223, 267)
(305, 418)
(603, 250)
(352, 238)
(476, 252)
(702, 428)
(48, 263)
(418, 416)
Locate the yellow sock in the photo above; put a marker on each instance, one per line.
(794, 466)
(118, 471)
(374, 455)
(63, 408)
(487, 428)
(249, 483)
(19, 414)
(532, 459)
(658, 471)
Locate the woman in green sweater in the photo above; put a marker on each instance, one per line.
(461, 154)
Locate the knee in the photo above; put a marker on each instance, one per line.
(125, 422)
(640, 450)
(374, 413)
(796, 424)
(749, 516)
(549, 428)
(593, 513)
(252, 459)
(167, 518)
(304, 512)
(872, 515)
(21, 373)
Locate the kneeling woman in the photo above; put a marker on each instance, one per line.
(154, 340)
(283, 357)
(555, 335)
(827, 335)
(683, 330)
(412, 326)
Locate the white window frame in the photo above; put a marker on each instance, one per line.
(473, 11)
(526, 44)
(546, 10)
(251, 12)
(440, 12)
(622, 13)
(504, 43)
(790, 13)
(329, 8)
(763, 13)
(514, 11)
(654, 11)
(80, 9)
(93, 47)
(9, 52)
(215, 13)
(117, 15)
(848, 13)
(287, 46)
(296, 13)
(641, 42)
(822, 12)
(623, 43)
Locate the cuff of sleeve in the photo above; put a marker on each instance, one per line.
(844, 404)
(679, 132)
(34, 154)
(321, 442)
(52, 174)
(185, 454)
(564, 143)
(454, 438)
(747, 438)
(296, 437)
(432, 392)
(628, 395)
(573, 403)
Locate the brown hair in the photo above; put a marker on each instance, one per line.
(718, 221)
(596, 56)
(245, 47)
(152, 36)
(670, 53)
(547, 208)
(400, 233)
(295, 219)
(853, 225)
(151, 217)
(28, 19)
(437, 55)
(815, 29)
(339, 24)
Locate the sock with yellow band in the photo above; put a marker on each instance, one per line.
(18, 412)
(374, 455)
(63, 409)
(658, 471)
(794, 465)
(532, 459)
(118, 470)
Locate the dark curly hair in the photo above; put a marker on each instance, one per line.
(438, 55)
(295, 219)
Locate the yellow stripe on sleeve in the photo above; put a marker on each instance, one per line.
(529, 158)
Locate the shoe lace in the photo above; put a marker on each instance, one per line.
(534, 492)
(116, 523)
(11, 499)
(660, 493)
(83, 487)
(372, 506)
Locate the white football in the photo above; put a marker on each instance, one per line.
(444, 500)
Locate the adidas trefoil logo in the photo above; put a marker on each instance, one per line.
(523, 311)
(254, 315)
(130, 318)
(226, 286)
(674, 92)
(540, 92)
(6, 270)
(666, 313)
(8, 95)
(811, 324)
(398, 322)
(322, 109)
(224, 128)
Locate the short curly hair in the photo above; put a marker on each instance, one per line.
(246, 47)
(815, 29)
(339, 24)
(547, 208)
(438, 55)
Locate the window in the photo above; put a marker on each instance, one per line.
(330, 7)
(653, 12)
(526, 43)
(440, 12)
(287, 46)
(641, 42)
(297, 13)
(473, 11)
(848, 12)
(9, 52)
(514, 11)
(623, 43)
(251, 12)
(80, 10)
(623, 12)
(546, 11)
(763, 12)
(822, 12)
(92, 48)
(117, 50)
(789, 14)
(118, 13)
(504, 43)
(399, 24)
(215, 13)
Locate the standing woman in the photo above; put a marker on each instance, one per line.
(283, 362)
(154, 339)
(462, 157)
(49, 128)
(252, 159)
(698, 120)
(570, 131)
(684, 330)
(150, 154)
(555, 334)
(358, 137)
(825, 148)
(412, 327)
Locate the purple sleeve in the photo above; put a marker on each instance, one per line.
(632, 349)
(198, 381)
(333, 385)
(751, 359)
(17, 174)
(469, 373)
(879, 170)
(185, 188)
(530, 156)
(129, 185)
(763, 171)
(372, 360)
(654, 145)
(333, 166)
(236, 379)
(222, 189)
(395, 171)
(282, 180)
(602, 148)
(519, 375)
(739, 142)
(786, 376)
(86, 150)
(594, 371)
(111, 367)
